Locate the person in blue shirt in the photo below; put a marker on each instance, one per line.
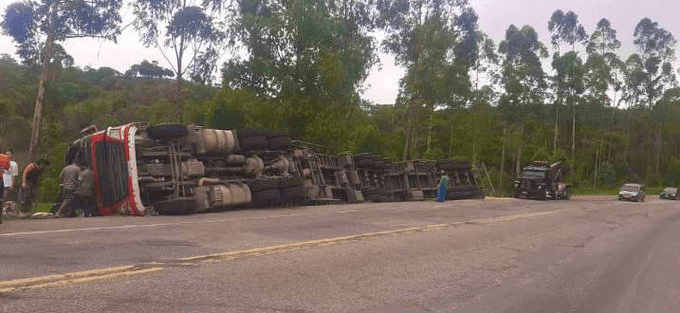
(443, 185)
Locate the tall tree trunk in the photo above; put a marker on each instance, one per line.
(407, 137)
(557, 116)
(179, 112)
(657, 146)
(474, 148)
(40, 98)
(451, 142)
(430, 125)
(611, 142)
(573, 140)
(597, 158)
(500, 177)
(518, 164)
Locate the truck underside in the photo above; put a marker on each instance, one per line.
(177, 169)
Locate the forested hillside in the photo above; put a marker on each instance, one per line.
(610, 118)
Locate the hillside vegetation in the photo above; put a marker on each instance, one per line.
(609, 118)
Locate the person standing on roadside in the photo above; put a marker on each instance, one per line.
(4, 166)
(443, 185)
(8, 178)
(30, 185)
(69, 183)
(85, 191)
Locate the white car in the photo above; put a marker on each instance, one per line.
(632, 192)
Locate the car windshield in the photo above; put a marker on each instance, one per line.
(533, 174)
(630, 188)
(670, 190)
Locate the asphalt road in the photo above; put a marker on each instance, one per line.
(589, 254)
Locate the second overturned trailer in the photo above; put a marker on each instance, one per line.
(172, 168)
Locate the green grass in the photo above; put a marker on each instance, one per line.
(615, 191)
(587, 191)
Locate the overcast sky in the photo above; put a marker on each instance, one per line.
(382, 84)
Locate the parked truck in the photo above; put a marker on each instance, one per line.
(541, 180)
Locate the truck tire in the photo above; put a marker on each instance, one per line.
(292, 182)
(249, 132)
(294, 193)
(567, 193)
(176, 206)
(253, 143)
(263, 184)
(278, 143)
(267, 197)
(166, 131)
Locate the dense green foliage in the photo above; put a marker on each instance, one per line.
(610, 121)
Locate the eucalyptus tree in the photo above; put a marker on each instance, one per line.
(603, 77)
(38, 26)
(488, 60)
(185, 32)
(603, 40)
(604, 66)
(657, 51)
(308, 59)
(656, 75)
(566, 28)
(436, 41)
(523, 78)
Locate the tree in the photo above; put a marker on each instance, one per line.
(306, 61)
(28, 22)
(603, 40)
(523, 75)
(423, 35)
(603, 77)
(604, 66)
(487, 60)
(656, 46)
(566, 28)
(524, 81)
(191, 35)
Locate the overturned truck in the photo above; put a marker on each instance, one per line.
(178, 169)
